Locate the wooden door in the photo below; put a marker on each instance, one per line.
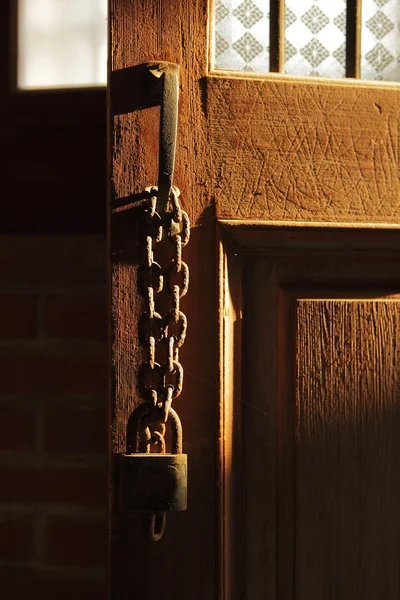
(291, 406)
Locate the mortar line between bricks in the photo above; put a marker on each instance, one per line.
(74, 288)
(73, 400)
(82, 573)
(66, 345)
(80, 461)
(12, 511)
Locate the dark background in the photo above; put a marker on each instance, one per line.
(53, 151)
(53, 351)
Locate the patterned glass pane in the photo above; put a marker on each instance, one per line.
(380, 40)
(315, 35)
(242, 35)
(62, 43)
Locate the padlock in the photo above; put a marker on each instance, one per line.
(154, 482)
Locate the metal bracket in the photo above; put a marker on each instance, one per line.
(168, 73)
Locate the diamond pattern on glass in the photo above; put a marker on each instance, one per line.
(380, 25)
(221, 11)
(248, 13)
(379, 57)
(318, 36)
(290, 17)
(247, 47)
(220, 44)
(315, 37)
(381, 2)
(314, 52)
(290, 50)
(242, 35)
(340, 55)
(315, 19)
(340, 22)
(380, 40)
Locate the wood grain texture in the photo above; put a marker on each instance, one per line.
(175, 31)
(295, 151)
(319, 414)
(184, 563)
(347, 449)
(247, 149)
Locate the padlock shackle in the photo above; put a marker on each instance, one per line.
(176, 431)
(134, 425)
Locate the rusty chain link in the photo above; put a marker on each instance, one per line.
(161, 382)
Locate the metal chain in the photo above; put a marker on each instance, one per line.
(162, 382)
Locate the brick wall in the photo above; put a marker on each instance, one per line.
(53, 422)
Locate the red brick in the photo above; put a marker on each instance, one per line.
(30, 585)
(54, 485)
(78, 316)
(17, 427)
(52, 371)
(52, 260)
(75, 429)
(16, 540)
(18, 316)
(76, 542)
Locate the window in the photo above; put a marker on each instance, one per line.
(329, 38)
(61, 43)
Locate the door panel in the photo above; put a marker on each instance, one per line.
(347, 486)
(320, 416)
(264, 157)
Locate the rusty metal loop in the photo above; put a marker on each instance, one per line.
(135, 426)
(181, 230)
(153, 225)
(151, 327)
(157, 526)
(149, 251)
(150, 302)
(159, 383)
(150, 378)
(151, 423)
(165, 415)
(154, 433)
(176, 298)
(153, 277)
(183, 273)
(156, 438)
(154, 396)
(178, 383)
(167, 404)
(177, 261)
(152, 352)
(159, 439)
(169, 320)
(169, 365)
(176, 425)
(176, 207)
(185, 231)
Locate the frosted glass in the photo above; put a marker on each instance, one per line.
(315, 38)
(380, 40)
(241, 35)
(62, 43)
